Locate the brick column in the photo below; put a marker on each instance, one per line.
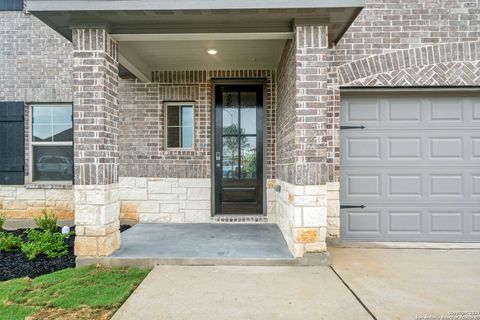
(95, 89)
(303, 172)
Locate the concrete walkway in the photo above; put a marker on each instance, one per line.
(390, 283)
(227, 292)
(409, 283)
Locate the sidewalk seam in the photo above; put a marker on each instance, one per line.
(354, 294)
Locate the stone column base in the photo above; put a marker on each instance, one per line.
(97, 220)
(302, 217)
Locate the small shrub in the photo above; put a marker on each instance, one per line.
(9, 242)
(52, 244)
(2, 220)
(48, 222)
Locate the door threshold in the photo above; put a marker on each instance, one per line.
(240, 218)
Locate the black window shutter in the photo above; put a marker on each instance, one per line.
(11, 5)
(12, 143)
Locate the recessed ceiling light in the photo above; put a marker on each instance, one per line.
(212, 52)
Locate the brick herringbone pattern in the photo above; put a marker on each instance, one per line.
(445, 74)
(443, 64)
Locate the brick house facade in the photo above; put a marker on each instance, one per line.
(123, 169)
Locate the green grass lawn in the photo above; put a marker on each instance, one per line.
(83, 293)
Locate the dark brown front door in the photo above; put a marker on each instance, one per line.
(238, 149)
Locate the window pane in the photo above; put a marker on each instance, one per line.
(42, 132)
(187, 116)
(230, 120)
(173, 137)
(230, 157)
(249, 158)
(248, 113)
(53, 163)
(62, 115)
(52, 123)
(248, 120)
(248, 99)
(42, 114)
(187, 137)
(230, 99)
(62, 133)
(173, 116)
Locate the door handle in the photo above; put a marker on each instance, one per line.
(351, 127)
(352, 207)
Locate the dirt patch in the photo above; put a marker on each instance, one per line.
(72, 314)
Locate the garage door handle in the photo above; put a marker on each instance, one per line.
(351, 127)
(352, 207)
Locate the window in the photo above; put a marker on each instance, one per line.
(51, 143)
(179, 125)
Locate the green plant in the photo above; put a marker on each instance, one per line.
(9, 242)
(52, 244)
(2, 220)
(48, 222)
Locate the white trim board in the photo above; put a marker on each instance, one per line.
(203, 36)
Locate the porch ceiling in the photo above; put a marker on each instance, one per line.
(192, 54)
(167, 35)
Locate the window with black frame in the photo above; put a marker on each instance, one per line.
(52, 143)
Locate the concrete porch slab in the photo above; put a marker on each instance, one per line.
(231, 292)
(147, 245)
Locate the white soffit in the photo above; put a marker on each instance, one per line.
(192, 54)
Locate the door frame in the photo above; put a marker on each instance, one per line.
(239, 81)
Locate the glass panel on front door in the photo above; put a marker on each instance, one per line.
(239, 111)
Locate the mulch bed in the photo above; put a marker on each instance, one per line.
(16, 265)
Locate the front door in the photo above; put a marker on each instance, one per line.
(238, 149)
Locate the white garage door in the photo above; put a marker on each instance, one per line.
(415, 167)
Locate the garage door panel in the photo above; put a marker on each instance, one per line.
(428, 147)
(446, 222)
(425, 223)
(475, 148)
(427, 112)
(443, 148)
(423, 184)
(364, 185)
(475, 186)
(364, 110)
(476, 110)
(405, 222)
(363, 148)
(446, 185)
(446, 110)
(402, 110)
(363, 222)
(415, 167)
(404, 148)
(405, 185)
(476, 222)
